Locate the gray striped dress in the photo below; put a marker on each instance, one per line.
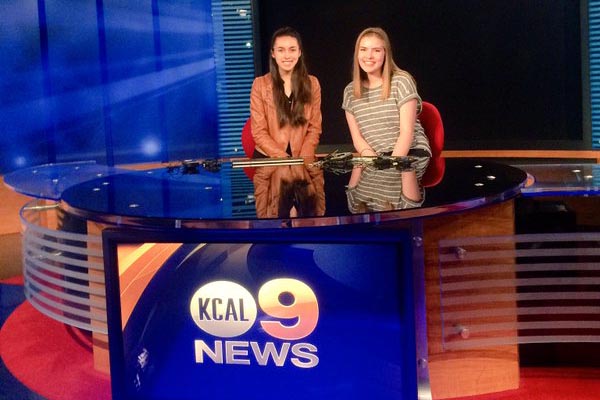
(379, 120)
(380, 190)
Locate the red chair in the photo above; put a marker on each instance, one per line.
(431, 120)
(247, 139)
(248, 146)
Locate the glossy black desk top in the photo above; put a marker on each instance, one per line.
(567, 179)
(225, 199)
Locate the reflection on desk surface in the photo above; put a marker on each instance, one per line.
(348, 190)
(385, 189)
(561, 179)
(289, 191)
(48, 181)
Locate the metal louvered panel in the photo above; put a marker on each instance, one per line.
(63, 271)
(234, 56)
(594, 68)
(530, 288)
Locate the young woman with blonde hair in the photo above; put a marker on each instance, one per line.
(381, 103)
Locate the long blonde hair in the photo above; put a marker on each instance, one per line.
(389, 66)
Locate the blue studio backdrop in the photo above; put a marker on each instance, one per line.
(114, 81)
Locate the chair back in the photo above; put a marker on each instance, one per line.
(431, 120)
(247, 139)
(248, 146)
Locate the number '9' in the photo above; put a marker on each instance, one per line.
(304, 307)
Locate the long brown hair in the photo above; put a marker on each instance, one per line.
(389, 66)
(301, 87)
(297, 193)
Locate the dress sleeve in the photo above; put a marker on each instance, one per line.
(404, 89)
(348, 97)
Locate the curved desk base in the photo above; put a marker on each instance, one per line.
(465, 372)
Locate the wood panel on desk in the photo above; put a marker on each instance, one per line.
(593, 155)
(9, 209)
(475, 371)
(100, 350)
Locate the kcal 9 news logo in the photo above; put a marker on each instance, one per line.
(226, 310)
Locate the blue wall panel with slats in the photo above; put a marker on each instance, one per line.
(594, 68)
(234, 55)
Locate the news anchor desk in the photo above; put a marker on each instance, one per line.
(207, 297)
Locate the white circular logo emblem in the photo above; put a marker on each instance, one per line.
(223, 309)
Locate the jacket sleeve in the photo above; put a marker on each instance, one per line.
(314, 129)
(318, 181)
(259, 121)
(262, 192)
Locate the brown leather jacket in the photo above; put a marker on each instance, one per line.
(273, 140)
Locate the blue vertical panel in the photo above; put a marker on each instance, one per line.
(161, 80)
(114, 81)
(74, 75)
(189, 78)
(133, 84)
(23, 107)
(594, 68)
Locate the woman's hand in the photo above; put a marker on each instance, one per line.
(367, 152)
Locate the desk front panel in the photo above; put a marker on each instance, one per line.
(262, 319)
